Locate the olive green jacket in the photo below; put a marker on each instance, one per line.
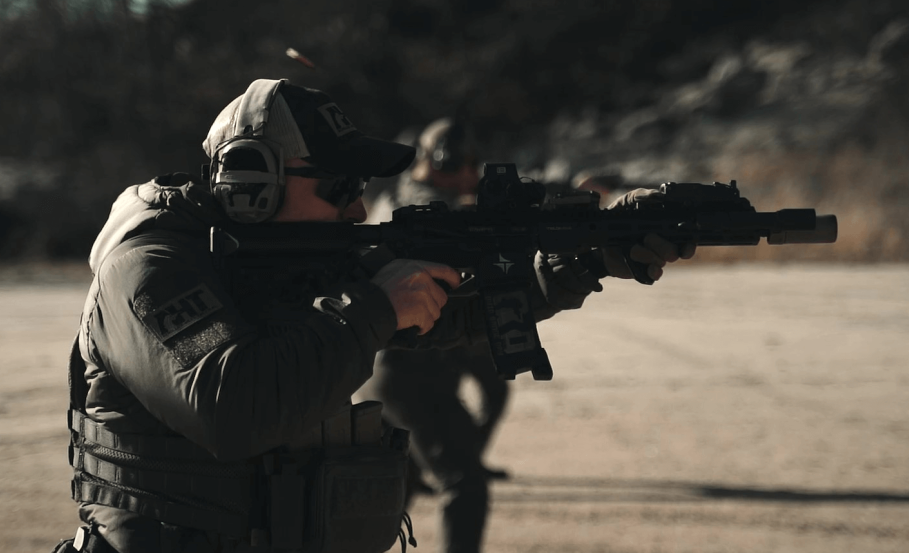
(168, 351)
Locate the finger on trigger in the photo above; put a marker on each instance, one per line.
(443, 272)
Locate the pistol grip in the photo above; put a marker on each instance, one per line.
(410, 336)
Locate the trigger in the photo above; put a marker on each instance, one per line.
(468, 287)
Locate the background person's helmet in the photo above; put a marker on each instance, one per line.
(448, 144)
(273, 121)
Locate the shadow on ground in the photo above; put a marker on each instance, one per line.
(535, 489)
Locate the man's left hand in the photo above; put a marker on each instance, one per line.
(654, 251)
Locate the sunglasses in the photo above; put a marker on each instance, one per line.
(336, 189)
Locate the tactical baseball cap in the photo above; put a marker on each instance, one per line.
(305, 123)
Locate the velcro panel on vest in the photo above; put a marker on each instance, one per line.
(212, 489)
(168, 447)
(167, 478)
(229, 524)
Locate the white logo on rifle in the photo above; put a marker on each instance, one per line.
(504, 264)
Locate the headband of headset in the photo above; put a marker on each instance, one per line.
(247, 176)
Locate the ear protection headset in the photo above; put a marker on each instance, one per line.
(246, 175)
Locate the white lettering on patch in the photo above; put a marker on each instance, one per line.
(181, 312)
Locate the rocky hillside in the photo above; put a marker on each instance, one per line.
(802, 102)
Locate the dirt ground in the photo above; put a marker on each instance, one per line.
(726, 408)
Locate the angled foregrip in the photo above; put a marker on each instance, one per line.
(593, 262)
(639, 270)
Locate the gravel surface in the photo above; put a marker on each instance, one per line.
(726, 408)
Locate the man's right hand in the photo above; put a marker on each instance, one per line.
(413, 292)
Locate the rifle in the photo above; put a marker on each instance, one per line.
(494, 244)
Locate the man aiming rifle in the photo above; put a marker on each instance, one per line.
(212, 373)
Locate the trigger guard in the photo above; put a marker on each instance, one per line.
(468, 287)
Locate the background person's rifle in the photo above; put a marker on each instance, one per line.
(494, 244)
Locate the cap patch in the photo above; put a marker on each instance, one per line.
(338, 122)
(181, 312)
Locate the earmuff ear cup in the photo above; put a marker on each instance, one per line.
(248, 180)
(247, 169)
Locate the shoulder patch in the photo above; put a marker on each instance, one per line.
(181, 312)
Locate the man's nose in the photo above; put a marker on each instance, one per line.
(355, 212)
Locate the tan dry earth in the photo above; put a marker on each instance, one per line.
(727, 408)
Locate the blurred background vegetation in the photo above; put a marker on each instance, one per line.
(805, 103)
